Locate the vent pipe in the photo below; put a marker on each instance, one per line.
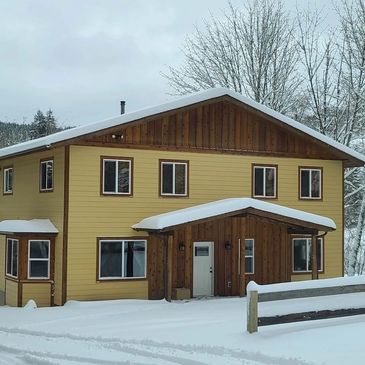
(122, 106)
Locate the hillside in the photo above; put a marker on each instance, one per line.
(12, 133)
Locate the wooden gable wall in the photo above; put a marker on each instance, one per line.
(218, 125)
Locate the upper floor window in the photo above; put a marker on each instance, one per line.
(249, 256)
(12, 251)
(38, 259)
(310, 184)
(302, 251)
(46, 175)
(117, 176)
(8, 180)
(264, 181)
(174, 178)
(122, 259)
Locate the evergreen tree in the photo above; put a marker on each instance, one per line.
(43, 125)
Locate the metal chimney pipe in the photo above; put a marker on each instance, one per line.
(122, 106)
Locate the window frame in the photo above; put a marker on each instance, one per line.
(308, 259)
(250, 256)
(264, 166)
(102, 175)
(120, 278)
(5, 171)
(173, 162)
(310, 169)
(42, 162)
(48, 259)
(6, 258)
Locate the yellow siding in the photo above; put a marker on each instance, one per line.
(39, 292)
(28, 203)
(11, 293)
(212, 177)
(2, 263)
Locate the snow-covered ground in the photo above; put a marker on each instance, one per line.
(196, 332)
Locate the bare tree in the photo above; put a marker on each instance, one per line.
(251, 50)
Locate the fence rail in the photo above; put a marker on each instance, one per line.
(254, 298)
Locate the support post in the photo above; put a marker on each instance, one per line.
(170, 241)
(314, 258)
(241, 263)
(252, 320)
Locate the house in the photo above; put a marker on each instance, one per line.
(193, 197)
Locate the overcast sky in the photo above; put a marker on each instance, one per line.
(80, 58)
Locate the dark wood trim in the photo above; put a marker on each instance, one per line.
(343, 218)
(160, 161)
(40, 174)
(299, 182)
(253, 165)
(116, 158)
(3, 175)
(20, 294)
(129, 238)
(66, 197)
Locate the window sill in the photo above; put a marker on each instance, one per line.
(46, 190)
(8, 193)
(173, 196)
(306, 272)
(312, 199)
(265, 197)
(120, 280)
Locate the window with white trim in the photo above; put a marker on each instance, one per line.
(310, 183)
(12, 250)
(264, 181)
(302, 250)
(117, 176)
(174, 178)
(122, 259)
(8, 180)
(46, 175)
(38, 259)
(249, 256)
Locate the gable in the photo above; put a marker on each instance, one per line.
(219, 125)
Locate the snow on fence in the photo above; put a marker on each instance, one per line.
(303, 289)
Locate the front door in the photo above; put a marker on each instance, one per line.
(203, 269)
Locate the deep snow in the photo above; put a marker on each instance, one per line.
(196, 332)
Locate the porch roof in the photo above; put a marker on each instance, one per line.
(232, 207)
(27, 226)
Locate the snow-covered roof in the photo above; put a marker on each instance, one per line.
(48, 141)
(225, 206)
(28, 226)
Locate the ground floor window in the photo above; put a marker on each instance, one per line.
(302, 250)
(12, 257)
(38, 259)
(121, 259)
(249, 255)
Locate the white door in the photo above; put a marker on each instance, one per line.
(203, 268)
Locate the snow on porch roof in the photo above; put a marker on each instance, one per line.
(28, 226)
(226, 206)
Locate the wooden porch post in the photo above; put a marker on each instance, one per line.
(242, 268)
(314, 258)
(170, 241)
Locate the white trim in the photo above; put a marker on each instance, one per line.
(122, 277)
(264, 181)
(308, 258)
(174, 163)
(250, 256)
(310, 183)
(48, 259)
(17, 261)
(47, 188)
(117, 160)
(6, 182)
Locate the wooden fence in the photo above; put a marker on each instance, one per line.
(254, 297)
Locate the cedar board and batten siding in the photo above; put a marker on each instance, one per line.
(211, 177)
(40, 292)
(27, 202)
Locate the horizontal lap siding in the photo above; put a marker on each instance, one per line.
(211, 177)
(40, 293)
(27, 202)
(11, 293)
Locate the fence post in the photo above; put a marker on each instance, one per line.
(252, 321)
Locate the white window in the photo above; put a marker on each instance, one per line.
(46, 176)
(174, 178)
(302, 250)
(38, 259)
(264, 181)
(122, 259)
(8, 180)
(310, 183)
(249, 256)
(12, 257)
(117, 176)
